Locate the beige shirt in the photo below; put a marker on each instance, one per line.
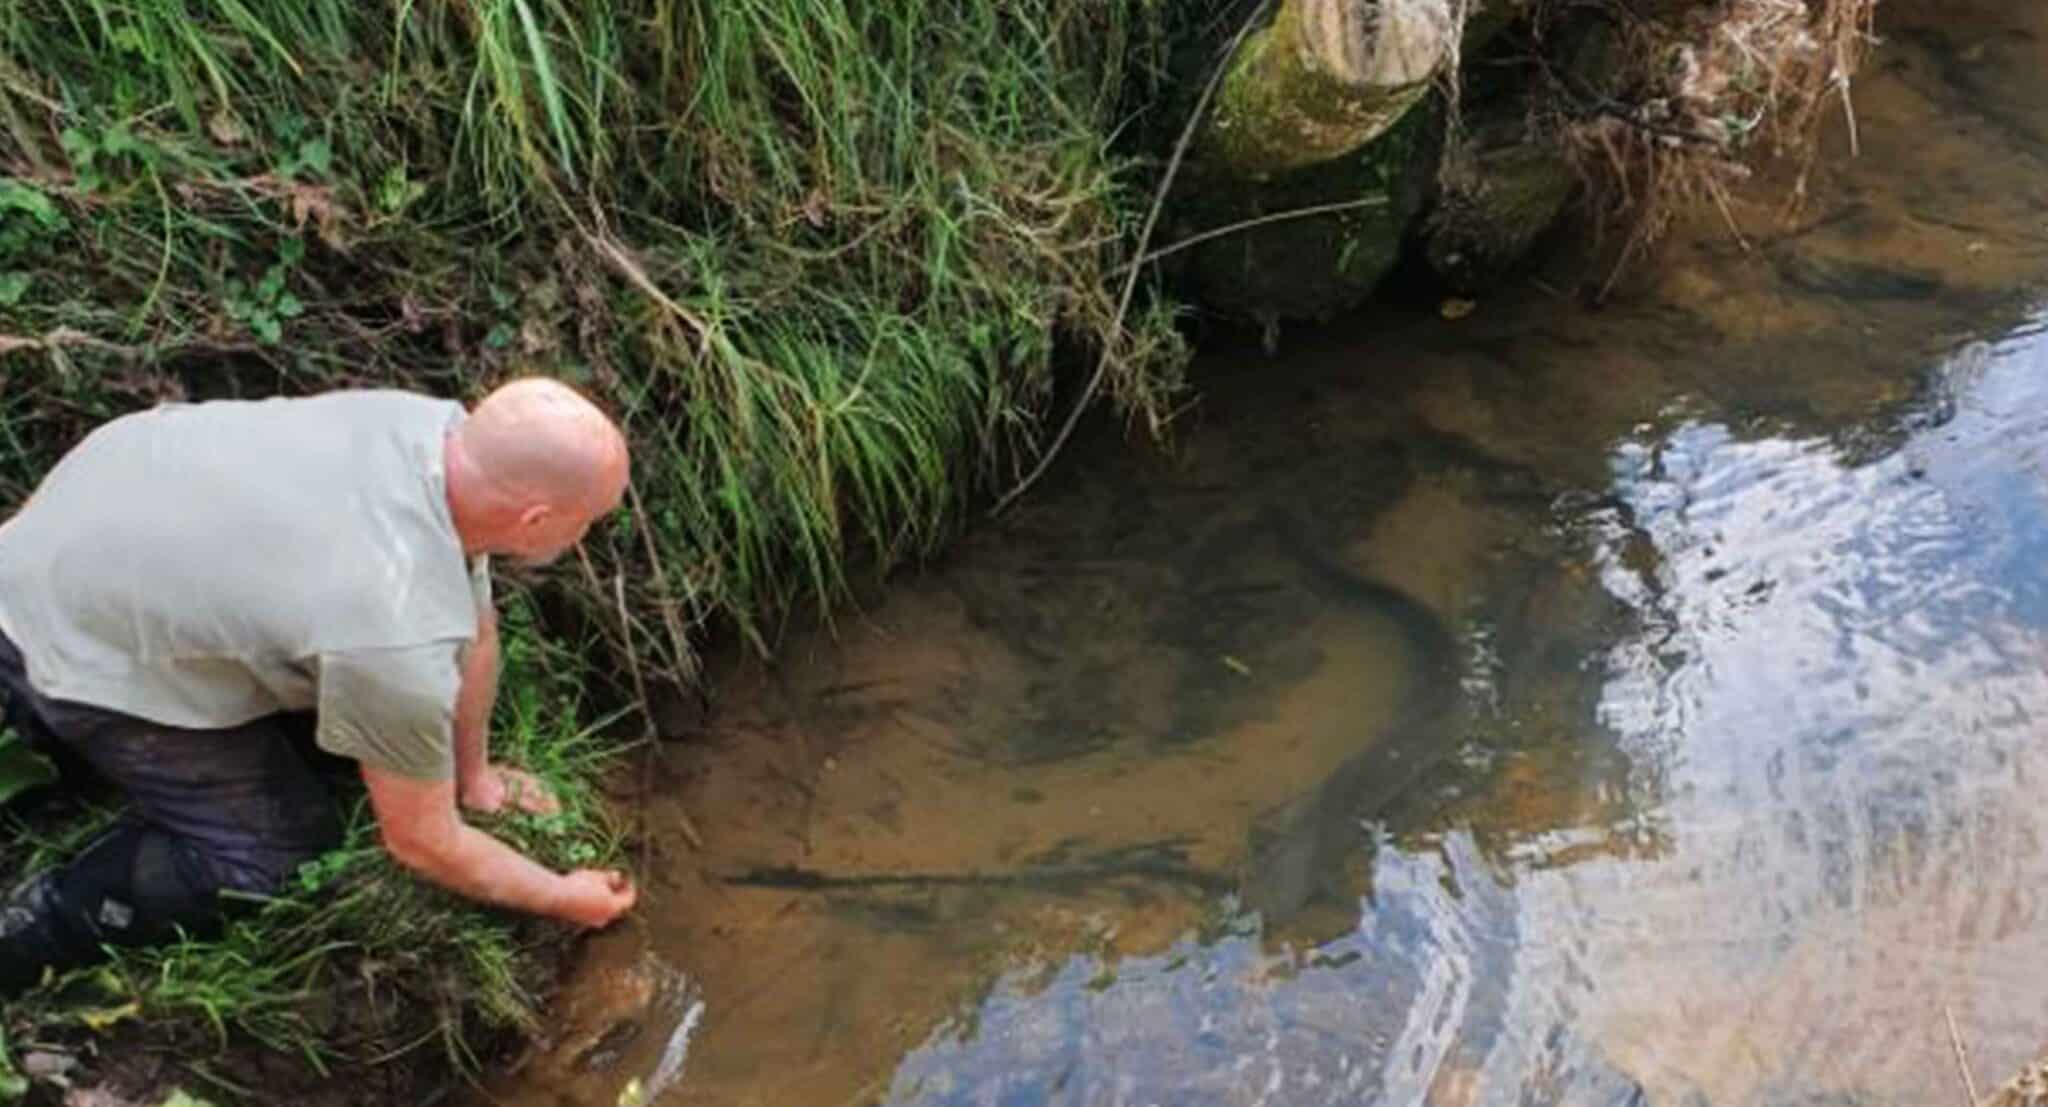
(200, 565)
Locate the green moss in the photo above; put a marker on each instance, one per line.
(1315, 267)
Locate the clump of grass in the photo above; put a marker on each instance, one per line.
(359, 962)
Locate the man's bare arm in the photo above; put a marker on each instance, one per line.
(423, 832)
(479, 784)
(473, 702)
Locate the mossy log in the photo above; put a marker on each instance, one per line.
(1325, 78)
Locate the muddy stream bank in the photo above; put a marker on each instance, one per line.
(1548, 706)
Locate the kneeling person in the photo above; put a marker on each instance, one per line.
(204, 601)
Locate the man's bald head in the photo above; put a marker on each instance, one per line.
(533, 465)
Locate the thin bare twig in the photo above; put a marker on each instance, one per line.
(1849, 113)
(681, 655)
(653, 737)
(1962, 1059)
(1180, 149)
(646, 715)
(632, 655)
(620, 259)
(1248, 224)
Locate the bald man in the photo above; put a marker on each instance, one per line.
(208, 604)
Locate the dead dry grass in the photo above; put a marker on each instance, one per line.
(1693, 94)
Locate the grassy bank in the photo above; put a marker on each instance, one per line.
(821, 258)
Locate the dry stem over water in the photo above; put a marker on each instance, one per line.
(1691, 92)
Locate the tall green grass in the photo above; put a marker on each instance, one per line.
(821, 255)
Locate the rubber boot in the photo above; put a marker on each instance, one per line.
(34, 936)
(136, 885)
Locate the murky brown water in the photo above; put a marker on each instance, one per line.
(1698, 766)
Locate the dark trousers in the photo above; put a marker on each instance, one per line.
(236, 809)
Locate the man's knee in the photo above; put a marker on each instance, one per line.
(139, 885)
(264, 868)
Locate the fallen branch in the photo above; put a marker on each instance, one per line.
(64, 338)
(69, 338)
(620, 259)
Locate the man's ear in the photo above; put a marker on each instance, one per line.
(534, 516)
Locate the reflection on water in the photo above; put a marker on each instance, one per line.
(1828, 709)
(1551, 707)
(1372, 1015)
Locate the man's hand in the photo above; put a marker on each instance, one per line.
(592, 897)
(488, 791)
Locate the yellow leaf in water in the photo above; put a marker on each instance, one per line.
(1456, 309)
(631, 1095)
(100, 1018)
(1236, 666)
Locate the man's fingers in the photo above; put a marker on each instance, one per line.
(600, 896)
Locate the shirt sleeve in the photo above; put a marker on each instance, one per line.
(480, 585)
(393, 709)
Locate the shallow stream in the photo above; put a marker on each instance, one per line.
(1547, 706)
